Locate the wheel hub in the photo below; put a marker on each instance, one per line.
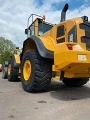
(26, 70)
(9, 69)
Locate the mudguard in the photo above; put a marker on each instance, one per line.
(43, 51)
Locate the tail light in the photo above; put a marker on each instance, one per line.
(74, 47)
(70, 46)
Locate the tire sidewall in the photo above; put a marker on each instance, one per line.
(75, 82)
(11, 72)
(27, 85)
(9, 75)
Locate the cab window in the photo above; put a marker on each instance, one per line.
(43, 27)
(32, 29)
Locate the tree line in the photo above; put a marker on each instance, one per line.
(7, 48)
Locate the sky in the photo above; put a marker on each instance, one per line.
(14, 15)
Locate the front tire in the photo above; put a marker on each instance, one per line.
(36, 71)
(75, 82)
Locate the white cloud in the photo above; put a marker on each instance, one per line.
(14, 14)
(86, 0)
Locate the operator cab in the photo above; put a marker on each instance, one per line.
(38, 26)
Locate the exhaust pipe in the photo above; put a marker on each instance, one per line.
(63, 13)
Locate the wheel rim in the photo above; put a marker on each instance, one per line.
(27, 70)
(9, 69)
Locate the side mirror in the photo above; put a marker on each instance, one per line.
(26, 31)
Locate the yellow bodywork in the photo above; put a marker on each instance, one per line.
(68, 61)
(17, 58)
(65, 60)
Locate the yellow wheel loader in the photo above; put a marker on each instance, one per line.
(55, 50)
(13, 68)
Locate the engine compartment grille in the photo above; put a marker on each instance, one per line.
(86, 39)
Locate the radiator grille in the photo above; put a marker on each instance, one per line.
(86, 39)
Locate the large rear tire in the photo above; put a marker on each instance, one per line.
(36, 72)
(75, 82)
(13, 70)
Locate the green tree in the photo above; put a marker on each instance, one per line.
(7, 48)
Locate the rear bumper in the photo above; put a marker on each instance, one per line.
(72, 66)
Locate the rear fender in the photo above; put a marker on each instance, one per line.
(36, 43)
